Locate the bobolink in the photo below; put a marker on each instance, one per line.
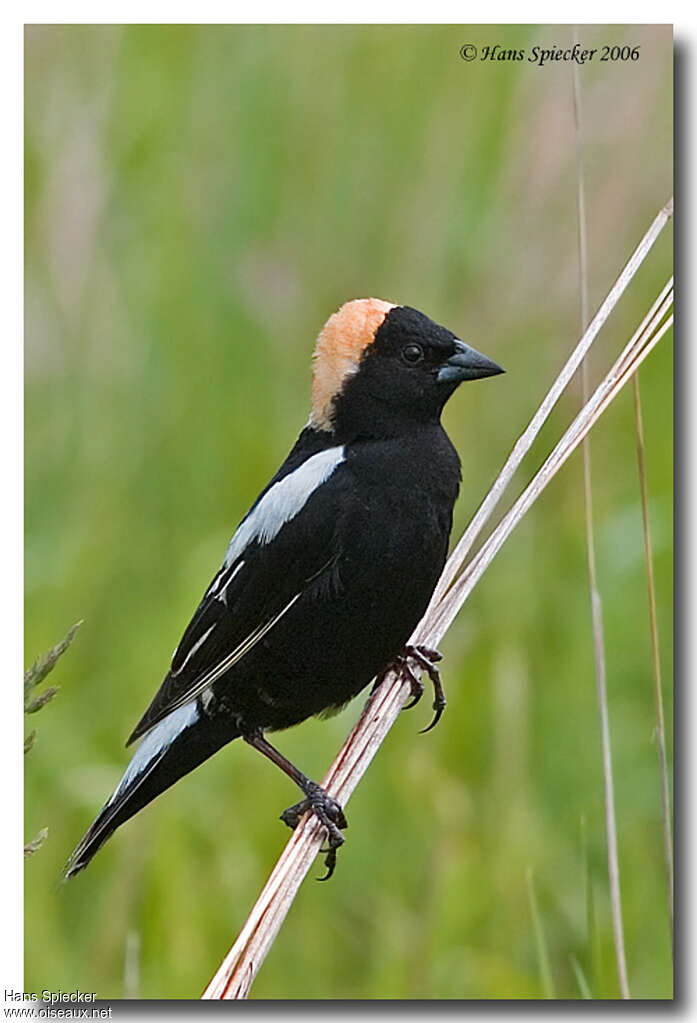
(329, 572)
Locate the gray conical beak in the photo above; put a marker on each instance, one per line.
(467, 364)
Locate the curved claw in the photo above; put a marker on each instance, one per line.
(413, 702)
(335, 840)
(330, 863)
(439, 708)
(417, 689)
(426, 659)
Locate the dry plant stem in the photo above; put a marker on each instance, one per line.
(438, 619)
(596, 603)
(436, 624)
(525, 441)
(580, 190)
(236, 973)
(238, 969)
(657, 683)
(610, 817)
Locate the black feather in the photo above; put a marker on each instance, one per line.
(315, 607)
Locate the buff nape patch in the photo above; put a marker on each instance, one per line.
(339, 349)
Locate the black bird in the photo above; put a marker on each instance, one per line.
(329, 572)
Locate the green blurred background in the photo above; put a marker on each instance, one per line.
(198, 200)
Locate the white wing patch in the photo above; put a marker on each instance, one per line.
(156, 742)
(283, 501)
(279, 505)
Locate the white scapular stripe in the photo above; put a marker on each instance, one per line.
(155, 743)
(219, 578)
(194, 648)
(283, 501)
(239, 651)
(244, 647)
(222, 596)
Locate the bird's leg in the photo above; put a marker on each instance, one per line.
(426, 659)
(329, 813)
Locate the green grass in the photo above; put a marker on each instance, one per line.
(198, 200)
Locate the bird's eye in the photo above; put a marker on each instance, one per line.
(412, 353)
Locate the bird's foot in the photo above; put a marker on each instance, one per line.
(330, 815)
(425, 659)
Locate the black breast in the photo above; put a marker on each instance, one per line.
(391, 540)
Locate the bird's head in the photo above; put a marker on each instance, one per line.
(379, 366)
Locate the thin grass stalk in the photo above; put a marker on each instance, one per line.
(439, 618)
(592, 935)
(432, 630)
(580, 976)
(525, 441)
(610, 815)
(596, 603)
(657, 682)
(540, 939)
(236, 973)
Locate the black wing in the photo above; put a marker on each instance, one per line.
(258, 583)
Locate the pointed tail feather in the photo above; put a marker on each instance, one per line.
(174, 747)
(90, 843)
